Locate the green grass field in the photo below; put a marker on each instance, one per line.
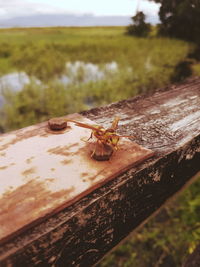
(28, 49)
(143, 65)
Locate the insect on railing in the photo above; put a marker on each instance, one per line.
(106, 139)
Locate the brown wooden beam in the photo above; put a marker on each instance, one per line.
(167, 122)
(193, 260)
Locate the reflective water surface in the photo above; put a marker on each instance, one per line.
(74, 73)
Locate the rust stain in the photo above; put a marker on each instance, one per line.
(3, 154)
(38, 130)
(92, 178)
(84, 174)
(29, 160)
(63, 151)
(62, 193)
(50, 179)
(66, 161)
(24, 133)
(28, 171)
(3, 147)
(72, 145)
(3, 167)
(26, 204)
(52, 169)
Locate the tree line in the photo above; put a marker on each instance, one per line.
(178, 19)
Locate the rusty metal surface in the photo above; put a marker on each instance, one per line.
(42, 172)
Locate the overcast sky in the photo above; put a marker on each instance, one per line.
(12, 8)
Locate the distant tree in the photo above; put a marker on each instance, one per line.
(139, 27)
(180, 18)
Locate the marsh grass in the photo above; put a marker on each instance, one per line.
(37, 48)
(43, 53)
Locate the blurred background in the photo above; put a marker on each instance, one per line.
(60, 57)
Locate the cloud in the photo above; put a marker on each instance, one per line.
(14, 8)
(149, 8)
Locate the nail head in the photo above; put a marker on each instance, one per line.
(102, 152)
(57, 124)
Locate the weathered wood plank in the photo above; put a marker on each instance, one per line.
(167, 122)
(193, 260)
(42, 171)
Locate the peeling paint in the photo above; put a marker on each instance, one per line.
(3, 167)
(184, 122)
(28, 171)
(156, 176)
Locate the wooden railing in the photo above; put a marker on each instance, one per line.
(81, 233)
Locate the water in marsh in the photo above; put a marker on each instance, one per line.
(82, 72)
(75, 73)
(14, 81)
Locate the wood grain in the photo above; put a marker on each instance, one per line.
(44, 172)
(167, 122)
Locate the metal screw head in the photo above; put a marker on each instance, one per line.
(102, 152)
(57, 124)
